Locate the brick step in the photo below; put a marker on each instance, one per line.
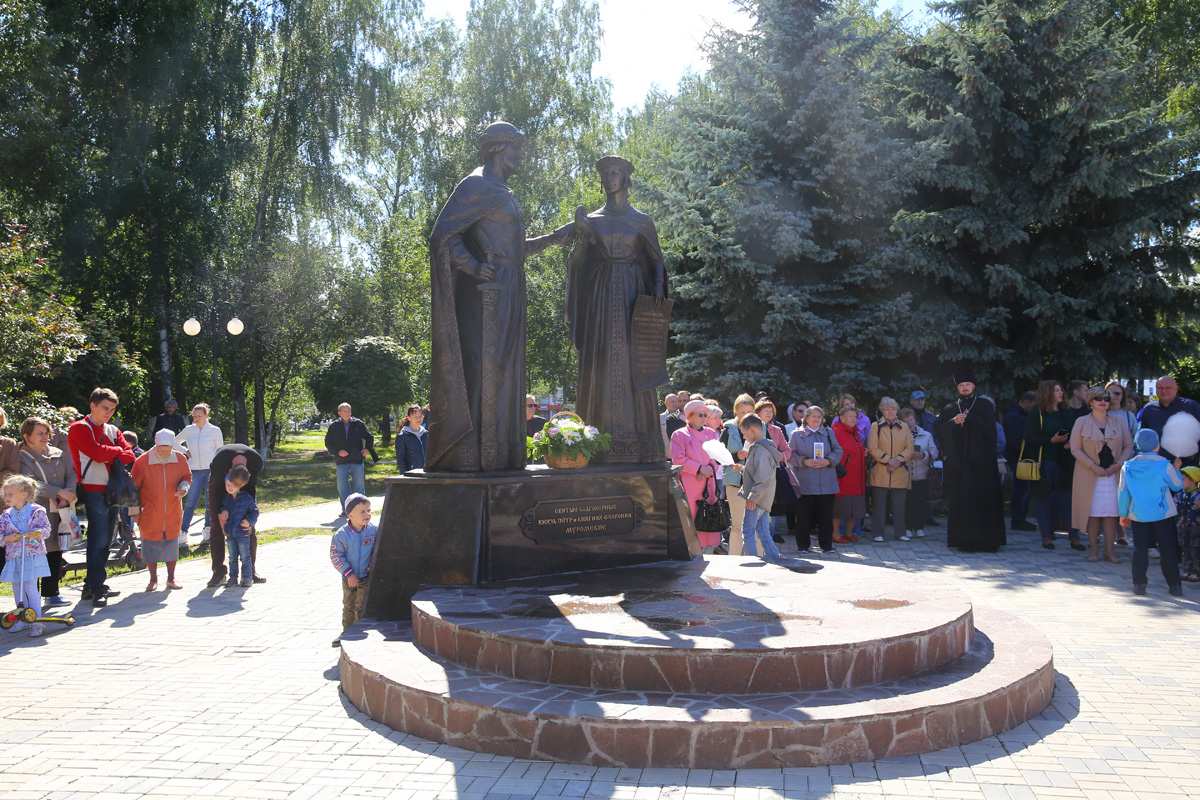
(1006, 677)
(724, 624)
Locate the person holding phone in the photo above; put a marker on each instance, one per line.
(1047, 439)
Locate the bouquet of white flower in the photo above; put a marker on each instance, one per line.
(567, 442)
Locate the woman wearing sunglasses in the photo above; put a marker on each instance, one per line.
(1101, 442)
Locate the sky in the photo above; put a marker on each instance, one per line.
(653, 42)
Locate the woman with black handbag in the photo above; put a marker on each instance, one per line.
(1100, 442)
(698, 474)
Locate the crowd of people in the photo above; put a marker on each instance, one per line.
(1088, 460)
(50, 473)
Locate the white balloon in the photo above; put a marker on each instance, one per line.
(192, 327)
(1181, 435)
(235, 326)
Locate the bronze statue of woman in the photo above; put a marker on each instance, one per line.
(615, 260)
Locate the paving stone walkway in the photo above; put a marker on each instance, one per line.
(233, 693)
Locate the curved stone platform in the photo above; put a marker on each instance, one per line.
(726, 625)
(1005, 677)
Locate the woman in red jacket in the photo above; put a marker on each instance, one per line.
(851, 503)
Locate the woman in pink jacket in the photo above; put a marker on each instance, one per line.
(699, 470)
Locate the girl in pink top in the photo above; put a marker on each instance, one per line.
(699, 470)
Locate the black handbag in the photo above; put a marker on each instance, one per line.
(121, 491)
(712, 517)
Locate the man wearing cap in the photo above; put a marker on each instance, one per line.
(966, 438)
(477, 267)
(925, 418)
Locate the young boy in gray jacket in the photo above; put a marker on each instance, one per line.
(758, 487)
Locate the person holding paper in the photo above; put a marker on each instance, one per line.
(813, 455)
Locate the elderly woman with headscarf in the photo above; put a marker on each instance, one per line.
(163, 478)
(699, 471)
(54, 474)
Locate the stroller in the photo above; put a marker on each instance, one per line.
(125, 548)
(28, 615)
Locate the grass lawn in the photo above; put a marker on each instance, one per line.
(296, 477)
(75, 577)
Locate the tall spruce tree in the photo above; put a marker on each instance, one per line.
(1051, 208)
(773, 203)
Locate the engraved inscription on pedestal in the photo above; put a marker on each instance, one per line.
(581, 518)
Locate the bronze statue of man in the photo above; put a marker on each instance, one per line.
(477, 256)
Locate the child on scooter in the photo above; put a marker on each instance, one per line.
(24, 526)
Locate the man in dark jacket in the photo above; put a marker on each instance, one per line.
(410, 441)
(1015, 420)
(925, 418)
(170, 419)
(225, 459)
(1168, 403)
(349, 442)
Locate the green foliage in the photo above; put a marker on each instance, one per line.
(1050, 208)
(771, 179)
(40, 331)
(371, 374)
(529, 62)
(1167, 35)
(843, 204)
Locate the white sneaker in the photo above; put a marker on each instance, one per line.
(907, 537)
(36, 629)
(879, 539)
(920, 534)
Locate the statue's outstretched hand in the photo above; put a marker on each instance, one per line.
(583, 227)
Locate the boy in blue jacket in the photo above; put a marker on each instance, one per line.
(1146, 498)
(241, 515)
(350, 551)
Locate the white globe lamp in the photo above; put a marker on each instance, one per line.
(192, 327)
(235, 327)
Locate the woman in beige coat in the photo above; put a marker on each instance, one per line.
(1101, 443)
(890, 444)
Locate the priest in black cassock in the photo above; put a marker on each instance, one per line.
(966, 438)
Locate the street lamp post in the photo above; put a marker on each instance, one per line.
(234, 327)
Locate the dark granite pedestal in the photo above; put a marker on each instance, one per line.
(441, 529)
